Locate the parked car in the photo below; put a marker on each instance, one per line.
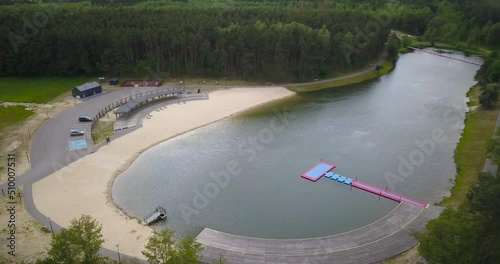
(76, 133)
(84, 119)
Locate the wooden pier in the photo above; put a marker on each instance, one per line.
(158, 214)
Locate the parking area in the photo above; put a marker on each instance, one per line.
(78, 142)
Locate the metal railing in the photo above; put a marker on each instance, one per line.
(125, 100)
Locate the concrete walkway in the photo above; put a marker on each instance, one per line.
(135, 118)
(380, 240)
(488, 165)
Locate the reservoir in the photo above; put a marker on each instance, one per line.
(242, 175)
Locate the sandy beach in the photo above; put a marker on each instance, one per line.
(84, 186)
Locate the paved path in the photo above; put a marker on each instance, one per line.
(488, 164)
(50, 152)
(380, 240)
(373, 66)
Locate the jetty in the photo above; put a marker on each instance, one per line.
(318, 171)
(387, 194)
(158, 214)
(372, 243)
(325, 169)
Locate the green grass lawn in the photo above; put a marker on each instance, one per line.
(102, 130)
(12, 115)
(473, 95)
(387, 67)
(36, 90)
(471, 150)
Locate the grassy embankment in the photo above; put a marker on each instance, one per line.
(471, 150)
(470, 155)
(36, 90)
(472, 50)
(102, 130)
(11, 116)
(387, 66)
(29, 90)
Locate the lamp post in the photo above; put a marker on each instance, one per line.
(118, 250)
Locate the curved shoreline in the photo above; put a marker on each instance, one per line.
(310, 238)
(367, 244)
(124, 167)
(84, 186)
(119, 171)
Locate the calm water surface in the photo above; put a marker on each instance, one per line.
(380, 132)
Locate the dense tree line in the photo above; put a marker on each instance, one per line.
(469, 234)
(268, 41)
(465, 23)
(488, 78)
(459, 22)
(81, 241)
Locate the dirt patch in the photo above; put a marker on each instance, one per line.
(102, 130)
(31, 239)
(473, 108)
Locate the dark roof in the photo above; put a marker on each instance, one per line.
(113, 79)
(124, 109)
(87, 86)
